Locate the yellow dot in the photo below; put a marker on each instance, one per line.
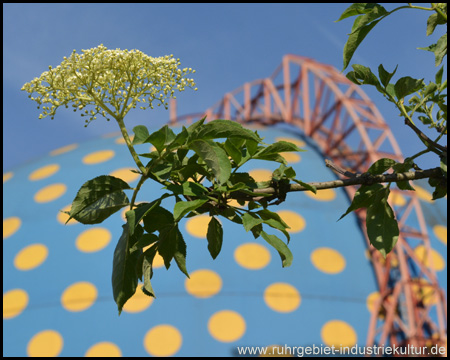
(252, 256)
(198, 226)
(441, 233)
(372, 301)
(10, 226)
(92, 240)
(50, 193)
(261, 175)
(62, 217)
(44, 172)
(437, 262)
(282, 297)
(203, 283)
(226, 326)
(63, 149)
(291, 157)
(163, 340)
(158, 261)
(7, 176)
(125, 174)
(423, 194)
(121, 140)
(424, 292)
(328, 260)
(338, 333)
(235, 203)
(322, 195)
(79, 296)
(31, 257)
(138, 302)
(397, 199)
(47, 343)
(104, 349)
(295, 221)
(299, 143)
(98, 157)
(14, 302)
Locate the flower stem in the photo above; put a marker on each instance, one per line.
(135, 156)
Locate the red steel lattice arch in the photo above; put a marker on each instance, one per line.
(350, 131)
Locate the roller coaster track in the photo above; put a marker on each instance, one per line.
(349, 130)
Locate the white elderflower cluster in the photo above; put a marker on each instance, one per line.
(111, 81)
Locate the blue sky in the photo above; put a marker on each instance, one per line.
(227, 44)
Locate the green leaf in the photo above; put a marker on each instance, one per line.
(309, 187)
(217, 129)
(159, 139)
(214, 237)
(188, 188)
(157, 219)
(171, 245)
(434, 20)
(275, 221)
(124, 276)
(140, 134)
(385, 76)
(403, 167)
(441, 50)
(249, 220)
(382, 227)
(380, 166)
(233, 151)
(98, 199)
(356, 9)
(363, 75)
(363, 197)
(280, 246)
(438, 76)
(147, 270)
(406, 86)
(195, 125)
(214, 157)
(183, 207)
(144, 240)
(356, 37)
(276, 148)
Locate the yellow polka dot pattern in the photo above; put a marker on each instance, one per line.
(431, 258)
(125, 174)
(50, 193)
(252, 256)
(104, 349)
(226, 326)
(295, 221)
(63, 149)
(47, 343)
(322, 195)
(198, 226)
(14, 303)
(7, 176)
(261, 175)
(31, 257)
(79, 296)
(62, 217)
(98, 157)
(44, 172)
(203, 283)
(163, 340)
(282, 297)
(92, 240)
(328, 260)
(441, 233)
(338, 333)
(10, 226)
(138, 302)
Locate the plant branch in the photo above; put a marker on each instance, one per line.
(430, 144)
(358, 180)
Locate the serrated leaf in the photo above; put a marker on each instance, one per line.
(363, 197)
(98, 199)
(124, 276)
(406, 86)
(183, 207)
(140, 134)
(233, 151)
(249, 220)
(380, 166)
(382, 227)
(188, 188)
(157, 219)
(277, 148)
(214, 236)
(438, 76)
(385, 76)
(363, 75)
(280, 246)
(217, 129)
(170, 245)
(147, 271)
(214, 157)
